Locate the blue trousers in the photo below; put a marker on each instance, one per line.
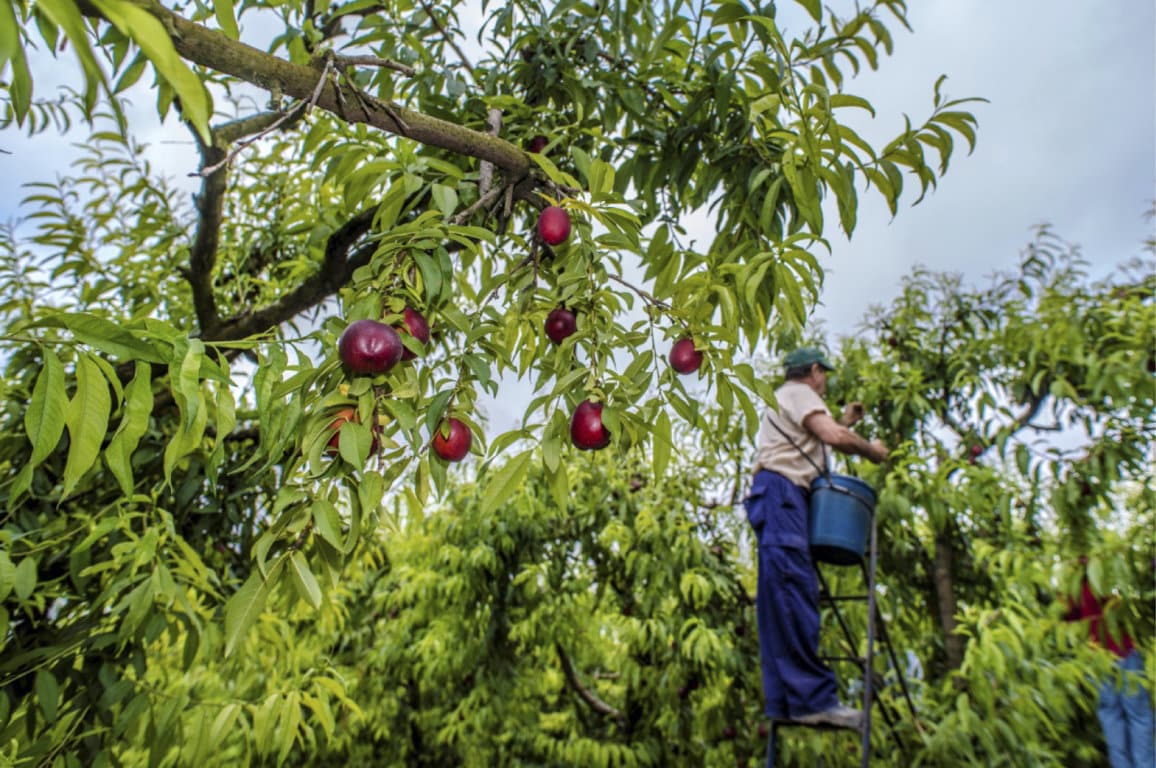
(1126, 716)
(795, 681)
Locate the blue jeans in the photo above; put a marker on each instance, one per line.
(1125, 712)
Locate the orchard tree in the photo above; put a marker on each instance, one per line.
(1025, 415)
(207, 401)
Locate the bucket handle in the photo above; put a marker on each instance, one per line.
(866, 504)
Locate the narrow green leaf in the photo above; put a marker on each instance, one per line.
(47, 694)
(559, 481)
(108, 337)
(7, 575)
(9, 33)
(504, 482)
(44, 419)
(134, 422)
(662, 443)
(327, 522)
(306, 582)
(226, 17)
(186, 388)
(246, 605)
(225, 419)
(87, 421)
(24, 578)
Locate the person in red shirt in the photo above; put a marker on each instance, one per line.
(1125, 707)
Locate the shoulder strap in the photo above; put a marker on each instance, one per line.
(824, 471)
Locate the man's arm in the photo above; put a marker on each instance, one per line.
(834, 434)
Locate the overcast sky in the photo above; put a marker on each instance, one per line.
(1069, 137)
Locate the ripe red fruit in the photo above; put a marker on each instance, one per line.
(586, 430)
(416, 325)
(684, 358)
(455, 445)
(368, 347)
(554, 225)
(560, 323)
(729, 732)
(763, 730)
(537, 144)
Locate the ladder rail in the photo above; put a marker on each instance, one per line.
(876, 626)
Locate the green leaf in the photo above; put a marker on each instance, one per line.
(108, 337)
(813, 7)
(9, 33)
(148, 33)
(504, 482)
(24, 578)
(87, 421)
(226, 17)
(327, 522)
(306, 582)
(47, 694)
(134, 422)
(246, 605)
(44, 419)
(186, 388)
(225, 419)
(662, 443)
(7, 575)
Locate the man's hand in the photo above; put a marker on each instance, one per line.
(852, 413)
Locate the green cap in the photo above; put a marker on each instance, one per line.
(805, 356)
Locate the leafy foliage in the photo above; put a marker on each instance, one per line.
(202, 557)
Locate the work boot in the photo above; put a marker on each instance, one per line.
(837, 716)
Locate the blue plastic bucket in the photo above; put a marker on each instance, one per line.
(841, 510)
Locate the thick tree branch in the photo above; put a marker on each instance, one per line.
(220, 53)
(336, 270)
(210, 209)
(588, 696)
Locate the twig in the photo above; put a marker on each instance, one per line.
(649, 297)
(374, 61)
(291, 113)
(485, 201)
(588, 696)
(449, 38)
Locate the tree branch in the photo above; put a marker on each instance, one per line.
(336, 269)
(210, 209)
(220, 53)
(595, 703)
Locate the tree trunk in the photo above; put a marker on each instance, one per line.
(945, 593)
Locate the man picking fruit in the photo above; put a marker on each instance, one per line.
(792, 451)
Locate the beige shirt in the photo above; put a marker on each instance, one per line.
(796, 401)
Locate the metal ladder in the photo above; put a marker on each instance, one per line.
(866, 663)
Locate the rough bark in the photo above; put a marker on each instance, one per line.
(220, 53)
(954, 643)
